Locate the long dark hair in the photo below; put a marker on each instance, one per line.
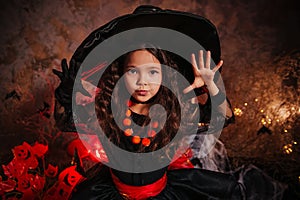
(165, 97)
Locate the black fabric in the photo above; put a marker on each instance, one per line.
(195, 92)
(182, 184)
(139, 179)
(248, 182)
(218, 99)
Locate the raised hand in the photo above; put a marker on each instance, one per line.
(203, 72)
(63, 92)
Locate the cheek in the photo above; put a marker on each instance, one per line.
(156, 81)
(129, 82)
(154, 77)
(155, 87)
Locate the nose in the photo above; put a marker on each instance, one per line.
(142, 79)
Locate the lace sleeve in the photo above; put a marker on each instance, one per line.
(63, 118)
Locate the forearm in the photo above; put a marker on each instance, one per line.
(224, 106)
(63, 117)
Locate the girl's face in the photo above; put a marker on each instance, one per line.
(143, 75)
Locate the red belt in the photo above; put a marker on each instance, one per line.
(140, 192)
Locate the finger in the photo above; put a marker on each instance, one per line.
(218, 66)
(207, 64)
(58, 73)
(188, 89)
(201, 61)
(64, 67)
(76, 66)
(194, 63)
(72, 67)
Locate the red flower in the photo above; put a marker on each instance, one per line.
(22, 152)
(25, 154)
(37, 182)
(24, 182)
(51, 171)
(39, 149)
(7, 186)
(67, 180)
(30, 185)
(70, 176)
(14, 169)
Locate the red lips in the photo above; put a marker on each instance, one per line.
(142, 92)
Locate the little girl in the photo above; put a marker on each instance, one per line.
(131, 88)
(140, 74)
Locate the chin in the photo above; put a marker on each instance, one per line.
(142, 99)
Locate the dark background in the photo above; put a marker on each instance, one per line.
(260, 48)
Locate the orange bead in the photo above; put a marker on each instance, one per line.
(151, 133)
(155, 124)
(128, 132)
(136, 139)
(127, 122)
(146, 142)
(128, 113)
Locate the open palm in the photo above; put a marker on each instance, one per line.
(202, 72)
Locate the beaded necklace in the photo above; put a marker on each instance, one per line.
(130, 132)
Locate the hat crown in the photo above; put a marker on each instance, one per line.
(146, 9)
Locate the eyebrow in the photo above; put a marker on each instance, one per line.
(147, 66)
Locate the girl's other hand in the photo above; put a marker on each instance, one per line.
(203, 73)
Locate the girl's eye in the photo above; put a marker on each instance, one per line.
(132, 71)
(152, 72)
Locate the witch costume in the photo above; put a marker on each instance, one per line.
(186, 178)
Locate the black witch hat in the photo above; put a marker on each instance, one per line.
(194, 26)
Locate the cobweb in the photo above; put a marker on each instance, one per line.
(253, 182)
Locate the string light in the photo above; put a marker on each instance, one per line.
(269, 121)
(238, 111)
(201, 124)
(278, 114)
(287, 148)
(263, 121)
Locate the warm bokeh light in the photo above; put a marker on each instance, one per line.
(238, 112)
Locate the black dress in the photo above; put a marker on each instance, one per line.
(182, 183)
(189, 184)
